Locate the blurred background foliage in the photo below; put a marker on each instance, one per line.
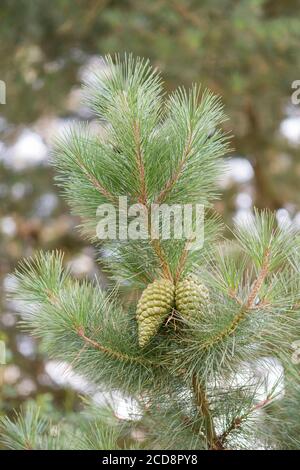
(247, 51)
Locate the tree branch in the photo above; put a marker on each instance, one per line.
(203, 409)
(259, 280)
(248, 305)
(143, 199)
(163, 262)
(181, 262)
(140, 164)
(111, 352)
(236, 422)
(97, 185)
(52, 298)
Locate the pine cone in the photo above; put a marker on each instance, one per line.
(155, 304)
(191, 297)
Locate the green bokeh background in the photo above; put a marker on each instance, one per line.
(246, 51)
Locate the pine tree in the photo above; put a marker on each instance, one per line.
(192, 335)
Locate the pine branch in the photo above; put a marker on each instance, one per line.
(204, 411)
(270, 248)
(246, 307)
(238, 421)
(143, 199)
(102, 190)
(109, 351)
(259, 280)
(32, 429)
(194, 378)
(182, 262)
(61, 311)
(26, 432)
(142, 196)
(162, 258)
(176, 175)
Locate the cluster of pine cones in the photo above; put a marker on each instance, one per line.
(188, 297)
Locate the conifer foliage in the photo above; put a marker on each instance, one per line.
(204, 331)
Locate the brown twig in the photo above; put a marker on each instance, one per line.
(111, 352)
(235, 424)
(233, 295)
(140, 164)
(97, 185)
(181, 262)
(143, 199)
(161, 256)
(203, 409)
(53, 300)
(161, 197)
(259, 280)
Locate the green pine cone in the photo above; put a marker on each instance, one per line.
(191, 297)
(154, 306)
